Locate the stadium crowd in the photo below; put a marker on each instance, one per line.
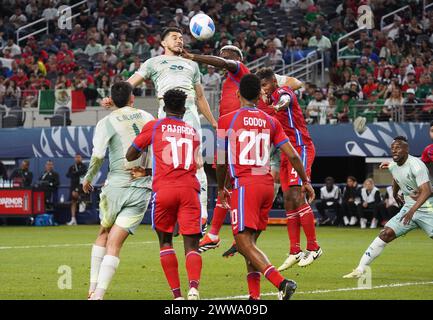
(387, 75)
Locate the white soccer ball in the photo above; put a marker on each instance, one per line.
(202, 26)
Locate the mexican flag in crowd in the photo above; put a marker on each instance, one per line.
(50, 100)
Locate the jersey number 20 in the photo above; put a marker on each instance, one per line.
(258, 142)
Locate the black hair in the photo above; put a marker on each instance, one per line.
(352, 178)
(400, 138)
(166, 31)
(431, 124)
(174, 100)
(250, 87)
(121, 93)
(265, 73)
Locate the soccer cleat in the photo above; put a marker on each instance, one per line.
(207, 243)
(309, 257)
(287, 289)
(90, 295)
(346, 220)
(291, 260)
(193, 294)
(231, 251)
(355, 274)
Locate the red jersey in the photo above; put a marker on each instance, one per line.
(427, 154)
(174, 146)
(291, 119)
(229, 101)
(246, 135)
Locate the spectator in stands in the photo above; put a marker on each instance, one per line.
(351, 200)
(142, 48)
(64, 50)
(337, 31)
(253, 34)
(62, 82)
(392, 106)
(12, 94)
(317, 109)
(76, 173)
(303, 5)
(346, 108)
(412, 109)
(67, 65)
(130, 8)
(78, 33)
(109, 56)
(22, 176)
(369, 207)
(12, 47)
(180, 19)
(18, 19)
(369, 87)
(103, 23)
(243, 6)
(211, 80)
(93, 48)
(157, 50)
(3, 171)
(329, 199)
(124, 47)
(195, 10)
(273, 53)
(321, 43)
(367, 51)
(273, 38)
(20, 78)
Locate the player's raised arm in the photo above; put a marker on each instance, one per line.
(203, 105)
(217, 62)
(293, 83)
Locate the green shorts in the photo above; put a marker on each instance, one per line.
(422, 219)
(275, 159)
(124, 207)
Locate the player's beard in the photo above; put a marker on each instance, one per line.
(177, 51)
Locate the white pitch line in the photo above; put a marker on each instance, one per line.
(68, 245)
(392, 285)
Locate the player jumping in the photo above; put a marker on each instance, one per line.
(172, 71)
(244, 141)
(411, 176)
(175, 147)
(285, 108)
(122, 202)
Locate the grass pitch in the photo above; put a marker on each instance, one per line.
(30, 258)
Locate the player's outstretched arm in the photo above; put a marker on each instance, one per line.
(215, 61)
(132, 153)
(425, 192)
(296, 162)
(293, 83)
(203, 105)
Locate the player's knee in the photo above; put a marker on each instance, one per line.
(387, 235)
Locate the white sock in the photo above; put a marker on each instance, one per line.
(202, 179)
(96, 257)
(276, 188)
(106, 272)
(373, 251)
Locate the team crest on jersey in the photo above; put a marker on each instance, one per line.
(164, 62)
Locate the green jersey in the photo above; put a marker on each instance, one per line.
(410, 176)
(171, 72)
(116, 132)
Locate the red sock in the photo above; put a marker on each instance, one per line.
(307, 221)
(253, 279)
(294, 231)
(193, 268)
(168, 259)
(273, 276)
(219, 215)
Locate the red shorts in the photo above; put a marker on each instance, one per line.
(288, 175)
(250, 206)
(181, 205)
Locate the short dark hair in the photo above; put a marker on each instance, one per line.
(166, 31)
(120, 93)
(352, 178)
(265, 73)
(401, 138)
(174, 100)
(250, 87)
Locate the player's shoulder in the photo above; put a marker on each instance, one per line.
(146, 115)
(416, 163)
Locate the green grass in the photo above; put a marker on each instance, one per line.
(31, 273)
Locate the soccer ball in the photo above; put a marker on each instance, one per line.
(202, 26)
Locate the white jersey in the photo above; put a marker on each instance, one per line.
(410, 176)
(171, 72)
(281, 80)
(116, 132)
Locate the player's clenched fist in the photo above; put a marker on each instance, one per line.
(107, 103)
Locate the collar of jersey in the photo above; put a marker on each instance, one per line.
(249, 108)
(175, 118)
